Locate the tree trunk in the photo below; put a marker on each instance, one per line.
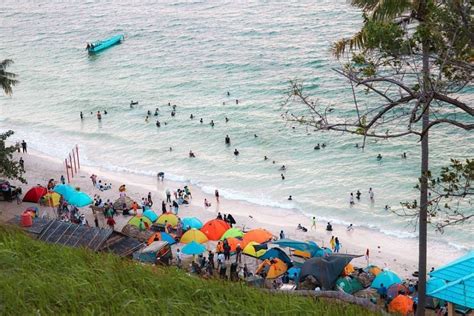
(422, 239)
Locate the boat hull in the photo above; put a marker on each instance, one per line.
(99, 46)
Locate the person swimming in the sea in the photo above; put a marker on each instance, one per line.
(282, 176)
(283, 168)
(227, 140)
(191, 116)
(191, 154)
(156, 112)
(265, 158)
(158, 124)
(200, 120)
(317, 147)
(379, 157)
(236, 152)
(212, 123)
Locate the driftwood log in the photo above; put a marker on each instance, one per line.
(337, 295)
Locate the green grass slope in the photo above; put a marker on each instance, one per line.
(44, 279)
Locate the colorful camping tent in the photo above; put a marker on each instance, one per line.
(250, 250)
(395, 289)
(35, 194)
(387, 278)
(51, 199)
(325, 270)
(215, 228)
(232, 232)
(80, 199)
(294, 273)
(233, 242)
(259, 235)
(170, 218)
(349, 285)
(193, 248)
(151, 215)
(191, 222)
(193, 235)
(311, 247)
(135, 221)
(272, 269)
(161, 236)
(374, 270)
(348, 270)
(276, 253)
(401, 304)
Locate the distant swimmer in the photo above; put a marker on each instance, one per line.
(350, 228)
(226, 119)
(169, 103)
(146, 119)
(356, 145)
(191, 116)
(379, 157)
(191, 154)
(171, 149)
(274, 162)
(158, 124)
(212, 123)
(323, 145)
(317, 147)
(255, 135)
(404, 155)
(283, 168)
(358, 194)
(282, 176)
(329, 227)
(227, 140)
(173, 113)
(236, 101)
(174, 107)
(200, 120)
(105, 112)
(236, 152)
(99, 116)
(223, 103)
(156, 111)
(132, 103)
(265, 158)
(351, 199)
(371, 194)
(290, 198)
(148, 113)
(82, 116)
(228, 93)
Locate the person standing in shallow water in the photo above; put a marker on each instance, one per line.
(217, 196)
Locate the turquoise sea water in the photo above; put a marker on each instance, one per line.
(191, 53)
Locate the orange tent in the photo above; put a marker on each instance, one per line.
(215, 228)
(233, 242)
(272, 268)
(374, 270)
(348, 270)
(302, 254)
(259, 235)
(401, 304)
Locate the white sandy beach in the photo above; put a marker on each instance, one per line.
(399, 254)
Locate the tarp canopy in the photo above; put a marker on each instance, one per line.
(387, 278)
(401, 304)
(193, 235)
(51, 199)
(191, 222)
(35, 194)
(65, 190)
(193, 248)
(276, 253)
(349, 285)
(250, 250)
(151, 215)
(272, 269)
(169, 218)
(258, 235)
(325, 270)
(215, 228)
(310, 247)
(232, 232)
(163, 237)
(80, 199)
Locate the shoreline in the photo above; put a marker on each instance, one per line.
(398, 254)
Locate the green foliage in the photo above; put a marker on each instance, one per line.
(9, 168)
(7, 79)
(44, 279)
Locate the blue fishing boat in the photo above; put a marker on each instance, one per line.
(101, 45)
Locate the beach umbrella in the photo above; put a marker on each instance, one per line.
(35, 194)
(401, 304)
(250, 250)
(386, 278)
(294, 273)
(51, 199)
(191, 222)
(135, 221)
(232, 232)
(259, 235)
(65, 190)
(170, 218)
(161, 236)
(80, 199)
(272, 269)
(151, 215)
(193, 235)
(215, 228)
(193, 248)
(394, 289)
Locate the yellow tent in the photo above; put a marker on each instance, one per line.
(51, 199)
(193, 235)
(271, 269)
(249, 250)
(169, 218)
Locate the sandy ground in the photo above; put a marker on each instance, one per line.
(400, 255)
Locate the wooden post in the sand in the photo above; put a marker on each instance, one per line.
(67, 171)
(74, 156)
(77, 154)
(70, 164)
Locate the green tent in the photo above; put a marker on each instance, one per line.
(349, 285)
